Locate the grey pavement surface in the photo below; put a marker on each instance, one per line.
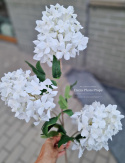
(20, 142)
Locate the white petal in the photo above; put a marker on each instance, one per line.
(59, 55)
(67, 56)
(47, 50)
(80, 152)
(47, 104)
(40, 111)
(47, 82)
(84, 133)
(36, 123)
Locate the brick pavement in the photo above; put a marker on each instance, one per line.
(20, 142)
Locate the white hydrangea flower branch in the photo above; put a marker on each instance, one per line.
(22, 92)
(59, 35)
(96, 125)
(33, 96)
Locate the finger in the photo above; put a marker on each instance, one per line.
(62, 147)
(65, 146)
(68, 144)
(61, 153)
(55, 140)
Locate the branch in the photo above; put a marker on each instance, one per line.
(75, 133)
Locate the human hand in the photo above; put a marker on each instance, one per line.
(50, 151)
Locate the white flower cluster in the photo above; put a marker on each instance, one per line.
(22, 92)
(59, 35)
(96, 124)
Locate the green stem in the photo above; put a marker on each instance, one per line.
(66, 159)
(75, 133)
(62, 119)
(57, 116)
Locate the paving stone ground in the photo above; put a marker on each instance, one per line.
(20, 142)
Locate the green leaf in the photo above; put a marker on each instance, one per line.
(67, 90)
(41, 77)
(59, 115)
(56, 70)
(79, 137)
(68, 112)
(39, 68)
(55, 133)
(33, 68)
(43, 136)
(49, 128)
(60, 128)
(52, 134)
(62, 102)
(64, 139)
(54, 82)
(71, 86)
(38, 73)
(47, 124)
(43, 91)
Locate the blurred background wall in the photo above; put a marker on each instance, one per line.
(104, 23)
(106, 51)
